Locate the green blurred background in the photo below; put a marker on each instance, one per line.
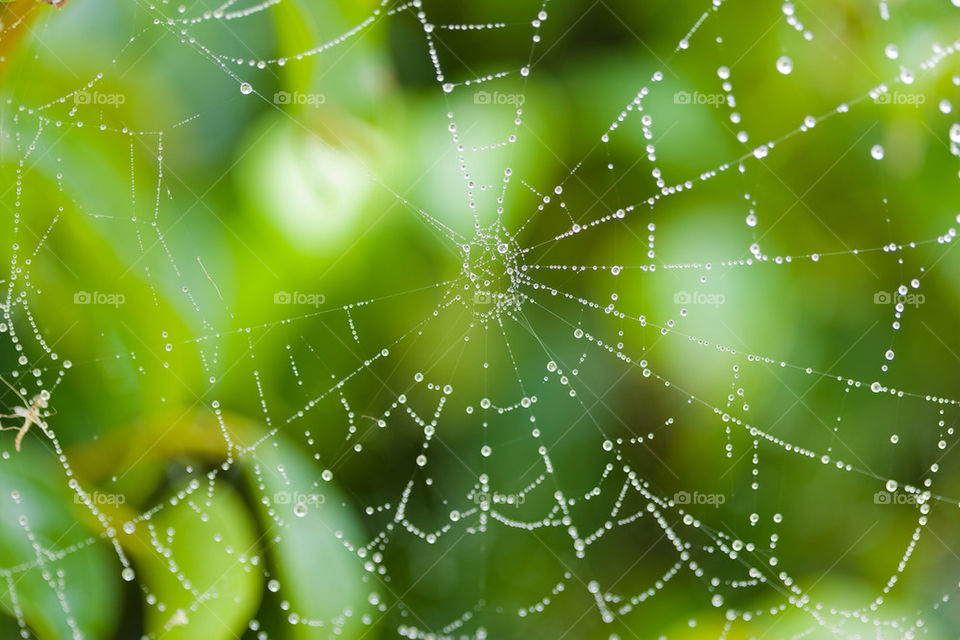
(199, 202)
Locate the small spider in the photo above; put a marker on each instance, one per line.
(31, 412)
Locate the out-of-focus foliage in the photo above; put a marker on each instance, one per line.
(289, 198)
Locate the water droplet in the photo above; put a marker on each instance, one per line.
(784, 65)
(246, 88)
(955, 132)
(877, 152)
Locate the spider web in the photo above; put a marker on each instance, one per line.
(585, 400)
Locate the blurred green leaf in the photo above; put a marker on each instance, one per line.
(40, 523)
(315, 572)
(206, 581)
